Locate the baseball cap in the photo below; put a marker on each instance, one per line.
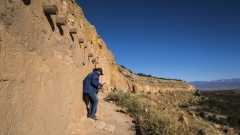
(100, 70)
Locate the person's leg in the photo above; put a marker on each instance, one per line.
(90, 106)
(94, 103)
(86, 100)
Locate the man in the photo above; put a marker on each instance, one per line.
(91, 85)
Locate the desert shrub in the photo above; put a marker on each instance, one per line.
(223, 121)
(122, 66)
(220, 120)
(153, 123)
(156, 124)
(184, 105)
(142, 74)
(130, 70)
(213, 118)
(233, 120)
(202, 114)
(133, 105)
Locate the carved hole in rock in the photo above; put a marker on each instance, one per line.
(81, 40)
(83, 64)
(94, 60)
(60, 30)
(27, 2)
(50, 21)
(85, 46)
(89, 56)
(100, 46)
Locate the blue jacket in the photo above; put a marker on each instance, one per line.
(91, 83)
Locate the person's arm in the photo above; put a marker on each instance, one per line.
(95, 81)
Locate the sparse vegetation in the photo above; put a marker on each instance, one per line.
(130, 70)
(152, 122)
(122, 66)
(142, 74)
(131, 103)
(220, 107)
(125, 68)
(221, 103)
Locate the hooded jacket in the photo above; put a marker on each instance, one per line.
(91, 83)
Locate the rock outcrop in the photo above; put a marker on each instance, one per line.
(135, 83)
(46, 50)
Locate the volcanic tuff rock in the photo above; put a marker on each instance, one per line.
(42, 66)
(136, 83)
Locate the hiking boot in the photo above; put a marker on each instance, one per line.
(94, 118)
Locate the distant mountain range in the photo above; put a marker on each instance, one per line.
(223, 84)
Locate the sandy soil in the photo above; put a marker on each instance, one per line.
(107, 112)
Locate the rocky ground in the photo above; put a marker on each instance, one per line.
(183, 108)
(110, 121)
(178, 106)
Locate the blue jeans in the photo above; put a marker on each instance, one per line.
(93, 99)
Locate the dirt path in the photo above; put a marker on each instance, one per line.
(110, 121)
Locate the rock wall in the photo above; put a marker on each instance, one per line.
(42, 66)
(135, 83)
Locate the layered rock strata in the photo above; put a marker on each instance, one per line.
(137, 84)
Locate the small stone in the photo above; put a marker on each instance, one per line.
(110, 128)
(100, 125)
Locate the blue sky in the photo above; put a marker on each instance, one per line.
(191, 40)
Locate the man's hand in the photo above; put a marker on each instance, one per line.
(99, 87)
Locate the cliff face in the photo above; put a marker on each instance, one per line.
(42, 66)
(137, 84)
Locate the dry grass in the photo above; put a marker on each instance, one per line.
(153, 122)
